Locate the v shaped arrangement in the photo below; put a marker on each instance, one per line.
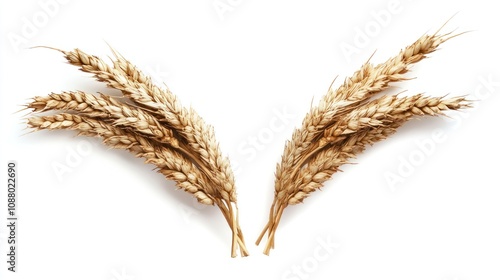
(149, 122)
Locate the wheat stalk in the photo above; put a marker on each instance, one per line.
(150, 122)
(106, 107)
(135, 85)
(346, 121)
(368, 124)
(167, 161)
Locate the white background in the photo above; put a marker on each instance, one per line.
(111, 217)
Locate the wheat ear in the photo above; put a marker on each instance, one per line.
(135, 85)
(345, 122)
(170, 163)
(156, 115)
(106, 107)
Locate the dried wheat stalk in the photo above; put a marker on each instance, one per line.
(149, 122)
(346, 121)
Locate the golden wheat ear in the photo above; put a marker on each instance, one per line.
(150, 122)
(346, 121)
